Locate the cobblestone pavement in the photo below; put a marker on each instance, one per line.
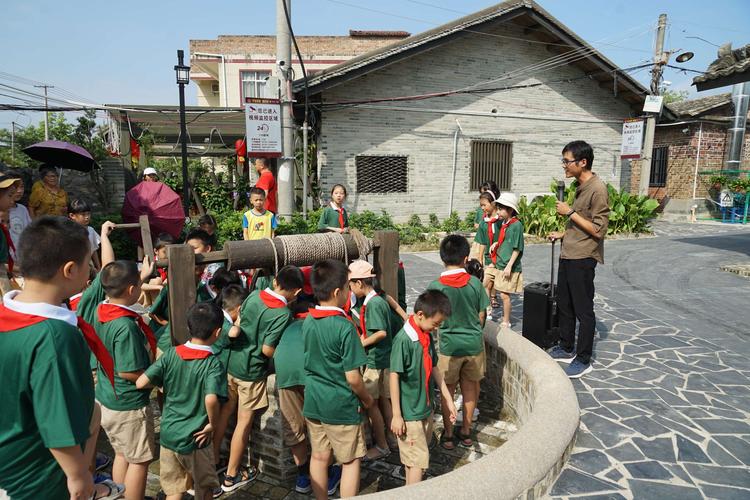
(666, 411)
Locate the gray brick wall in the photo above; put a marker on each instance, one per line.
(427, 138)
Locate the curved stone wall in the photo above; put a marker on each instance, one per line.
(541, 399)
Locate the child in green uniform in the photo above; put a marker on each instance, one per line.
(49, 423)
(413, 366)
(289, 360)
(258, 223)
(191, 377)
(485, 244)
(461, 358)
(376, 332)
(334, 389)
(486, 186)
(509, 250)
(263, 318)
(335, 218)
(232, 297)
(8, 185)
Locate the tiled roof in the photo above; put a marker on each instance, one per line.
(730, 67)
(695, 107)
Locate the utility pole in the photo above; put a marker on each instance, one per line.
(285, 171)
(660, 59)
(46, 109)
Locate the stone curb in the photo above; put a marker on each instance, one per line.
(529, 463)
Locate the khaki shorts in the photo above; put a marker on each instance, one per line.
(131, 433)
(346, 441)
(492, 276)
(179, 473)
(457, 368)
(414, 445)
(249, 395)
(512, 285)
(376, 382)
(291, 401)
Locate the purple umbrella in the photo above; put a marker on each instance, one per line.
(62, 154)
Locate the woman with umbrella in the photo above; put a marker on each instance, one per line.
(47, 197)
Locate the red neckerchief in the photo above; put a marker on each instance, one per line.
(187, 353)
(501, 237)
(110, 312)
(11, 320)
(491, 233)
(11, 248)
(456, 280)
(163, 274)
(340, 211)
(424, 341)
(325, 313)
(362, 321)
(301, 315)
(74, 301)
(271, 300)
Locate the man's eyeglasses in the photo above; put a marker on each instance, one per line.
(567, 162)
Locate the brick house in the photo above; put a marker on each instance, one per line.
(232, 67)
(691, 141)
(527, 86)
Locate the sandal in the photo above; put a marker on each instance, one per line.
(447, 442)
(243, 476)
(381, 453)
(465, 441)
(114, 490)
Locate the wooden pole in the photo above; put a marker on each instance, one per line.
(181, 283)
(148, 244)
(386, 261)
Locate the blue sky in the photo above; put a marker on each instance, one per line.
(124, 53)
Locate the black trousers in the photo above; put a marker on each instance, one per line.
(575, 300)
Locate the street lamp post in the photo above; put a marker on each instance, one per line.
(183, 78)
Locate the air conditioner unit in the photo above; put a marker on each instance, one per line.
(215, 88)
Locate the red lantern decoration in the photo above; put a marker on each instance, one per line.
(135, 149)
(240, 147)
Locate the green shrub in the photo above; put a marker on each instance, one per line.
(434, 222)
(228, 226)
(123, 245)
(452, 223)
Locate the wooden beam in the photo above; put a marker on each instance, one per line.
(148, 244)
(181, 283)
(386, 261)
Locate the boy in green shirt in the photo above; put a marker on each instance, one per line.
(50, 421)
(509, 248)
(263, 318)
(461, 358)
(191, 377)
(127, 417)
(232, 298)
(334, 389)
(375, 331)
(413, 366)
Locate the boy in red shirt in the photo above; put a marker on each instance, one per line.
(266, 182)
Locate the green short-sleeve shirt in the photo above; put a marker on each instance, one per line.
(332, 348)
(289, 358)
(48, 398)
(221, 346)
(377, 318)
(407, 360)
(513, 241)
(483, 238)
(87, 306)
(128, 347)
(330, 218)
(264, 282)
(479, 216)
(186, 384)
(461, 332)
(261, 325)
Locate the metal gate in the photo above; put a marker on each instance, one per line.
(491, 161)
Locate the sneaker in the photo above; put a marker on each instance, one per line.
(559, 354)
(243, 476)
(578, 369)
(303, 484)
(334, 478)
(216, 492)
(102, 461)
(100, 477)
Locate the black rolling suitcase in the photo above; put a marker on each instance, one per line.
(540, 310)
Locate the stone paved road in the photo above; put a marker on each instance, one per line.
(666, 411)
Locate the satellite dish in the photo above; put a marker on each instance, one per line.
(684, 57)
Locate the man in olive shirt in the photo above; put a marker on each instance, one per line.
(582, 248)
